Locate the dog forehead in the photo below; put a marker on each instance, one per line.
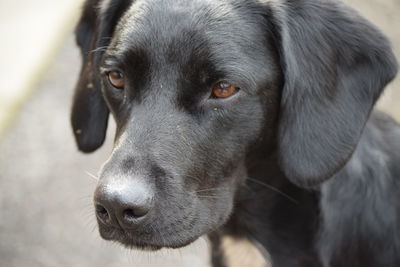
(169, 11)
(164, 21)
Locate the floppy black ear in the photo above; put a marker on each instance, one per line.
(89, 115)
(89, 112)
(335, 66)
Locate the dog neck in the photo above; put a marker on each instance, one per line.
(278, 218)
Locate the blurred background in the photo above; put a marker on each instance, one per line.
(46, 214)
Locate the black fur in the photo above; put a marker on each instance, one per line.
(295, 161)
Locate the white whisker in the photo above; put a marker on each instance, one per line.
(92, 176)
(273, 189)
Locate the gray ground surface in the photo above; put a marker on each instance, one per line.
(46, 215)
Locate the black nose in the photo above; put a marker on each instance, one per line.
(123, 203)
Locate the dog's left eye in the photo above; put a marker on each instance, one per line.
(223, 90)
(116, 79)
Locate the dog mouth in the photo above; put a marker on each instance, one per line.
(144, 240)
(141, 241)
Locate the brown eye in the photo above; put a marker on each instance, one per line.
(223, 90)
(117, 79)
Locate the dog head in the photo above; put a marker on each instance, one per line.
(195, 86)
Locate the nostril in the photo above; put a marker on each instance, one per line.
(134, 214)
(102, 213)
(129, 215)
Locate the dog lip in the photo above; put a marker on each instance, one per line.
(128, 239)
(121, 236)
(109, 233)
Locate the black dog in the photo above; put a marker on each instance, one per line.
(246, 119)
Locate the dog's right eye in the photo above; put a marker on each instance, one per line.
(116, 79)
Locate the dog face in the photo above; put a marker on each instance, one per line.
(196, 86)
(174, 135)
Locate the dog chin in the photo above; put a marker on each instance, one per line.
(142, 247)
(152, 247)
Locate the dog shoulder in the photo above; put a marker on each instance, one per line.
(360, 204)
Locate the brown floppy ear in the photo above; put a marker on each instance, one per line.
(335, 66)
(89, 115)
